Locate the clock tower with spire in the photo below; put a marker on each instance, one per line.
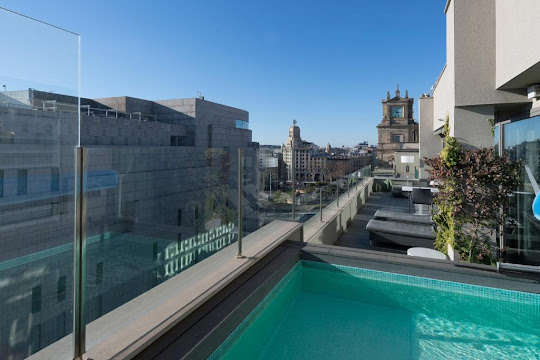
(396, 128)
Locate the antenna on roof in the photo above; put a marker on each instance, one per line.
(199, 95)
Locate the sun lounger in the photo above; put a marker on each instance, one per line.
(391, 232)
(403, 217)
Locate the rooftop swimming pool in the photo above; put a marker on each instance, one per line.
(325, 311)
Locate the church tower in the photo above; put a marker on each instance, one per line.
(396, 128)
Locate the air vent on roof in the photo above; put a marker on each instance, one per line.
(534, 91)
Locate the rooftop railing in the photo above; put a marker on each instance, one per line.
(84, 230)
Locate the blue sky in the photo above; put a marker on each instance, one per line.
(326, 64)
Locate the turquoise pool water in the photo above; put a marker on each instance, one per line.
(324, 311)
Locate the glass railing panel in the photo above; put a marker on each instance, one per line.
(153, 213)
(38, 63)
(522, 231)
(251, 219)
(274, 200)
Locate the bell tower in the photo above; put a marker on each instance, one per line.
(397, 126)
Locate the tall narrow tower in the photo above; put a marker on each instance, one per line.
(396, 128)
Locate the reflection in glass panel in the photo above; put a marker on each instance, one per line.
(522, 142)
(157, 207)
(242, 124)
(496, 139)
(37, 138)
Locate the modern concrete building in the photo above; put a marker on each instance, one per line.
(489, 89)
(397, 127)
(491, 60)
(407, 162)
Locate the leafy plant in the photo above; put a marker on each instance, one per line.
(452, 152)
(473, 187)
(491, 123)
(217, 182)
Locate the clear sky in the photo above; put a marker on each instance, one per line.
(326, 64)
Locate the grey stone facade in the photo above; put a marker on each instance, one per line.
(160, 174)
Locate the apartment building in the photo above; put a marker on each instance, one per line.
(302, 151)
(489, 89)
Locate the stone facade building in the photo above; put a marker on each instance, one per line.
(303, 151)
(161, 175)
(312, 164)
(397, 128)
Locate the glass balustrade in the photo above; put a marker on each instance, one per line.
(159, 194)
(37, 141)
(521, 141)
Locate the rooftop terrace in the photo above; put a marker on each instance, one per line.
(356, 235)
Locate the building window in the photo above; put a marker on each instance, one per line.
(242, 124)
(99, 273)
(397, 138)
(61, 289)
(22, 182)
(179, 217)
(36, 299)
(55, 179)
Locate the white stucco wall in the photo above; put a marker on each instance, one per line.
(444, 94)
(472, 128)
(518, 43)
(430, 145)
(475, 55)
(443, 100)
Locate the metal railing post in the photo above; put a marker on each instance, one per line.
(337, 193)
(240, 203)
(293, 183)
(320, 202)
(79, 253)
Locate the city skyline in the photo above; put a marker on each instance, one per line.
(278, 61)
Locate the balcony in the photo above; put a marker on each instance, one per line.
(135, 228)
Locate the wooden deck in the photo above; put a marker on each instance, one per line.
(356, 235)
